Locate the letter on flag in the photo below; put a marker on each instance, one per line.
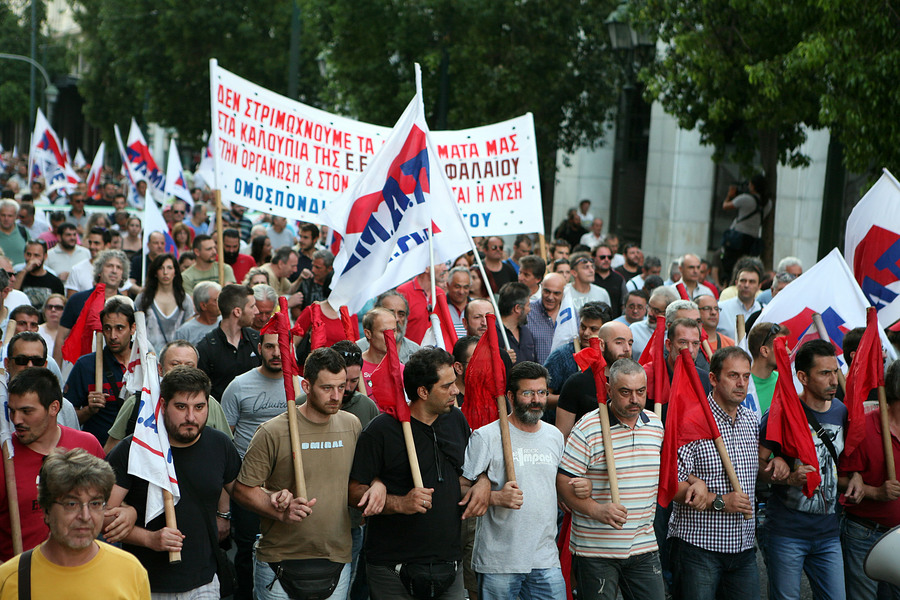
(81, 338)
(566, 323)
(485, 379)
(388, 214)
(150, 456)
(872, 246)
(176, 184)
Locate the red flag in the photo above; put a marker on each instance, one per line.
(317, 335)
(280, 324)
(447, 329)
(485, 379)
(351, 330)
(592, 357)
(387, 382)
(682, 290)
(565, 556)
(866, 373)
(586, 357)
(787, 424)
(81, 337)
(689, 419)
(653, 359)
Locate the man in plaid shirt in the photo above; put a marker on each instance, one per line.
(712, 540)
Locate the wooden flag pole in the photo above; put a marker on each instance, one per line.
(294, 429)
(740, 328)
(707, 350)
(823, 334)
(542, 244)
(890, 468)
(729, 469)
(220, 242)
(577, 343)
(169, 509)
(12, 497)
(411, 453)
(98, 369)
(608, 453)
(505, 441)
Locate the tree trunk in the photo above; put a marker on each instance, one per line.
(768, 153)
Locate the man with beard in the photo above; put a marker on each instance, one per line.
(206, 462)
(579, 392)
(81, 277)
(33, 278)
(393, 302)
(205, 267)
(231, 348)
(297, 528)
(315, 288)
(533, 570)
(231, 254)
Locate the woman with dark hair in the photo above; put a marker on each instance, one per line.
(261, 249)
(164, 302)
(132, 242)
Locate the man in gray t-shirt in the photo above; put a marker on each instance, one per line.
(522, 514)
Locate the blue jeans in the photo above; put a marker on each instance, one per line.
(539, 584)
(820, 559)
(639, 577)
(267, 587)
(704, 575)
(856, 540)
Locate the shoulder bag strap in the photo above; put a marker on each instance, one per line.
(822, 433)
(25, 575)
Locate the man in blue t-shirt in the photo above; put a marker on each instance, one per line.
(803, 534)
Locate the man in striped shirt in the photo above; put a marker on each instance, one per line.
(712, 540)
(614, 544)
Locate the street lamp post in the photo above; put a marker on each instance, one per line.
(51, 92)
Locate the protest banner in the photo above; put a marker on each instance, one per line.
(282, 157)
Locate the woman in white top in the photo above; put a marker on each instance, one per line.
(52, 311)
(164, 302)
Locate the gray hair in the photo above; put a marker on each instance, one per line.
(326, 256)
(262, 291)
(108, 255)
(623, 366)
(674, 268)
(788, 261)
(203, 291)
(677, 305)
(379, 301)
(9, 202)
(651, 262)
(665, 293)
(781, 280)
(456, 270)
(177, 344)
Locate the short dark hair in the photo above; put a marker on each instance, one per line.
(596, 311)
(806, 355)
(462, 346)
(102, 232)
(199, 240)
(282, 254)
(24, 309)
(231, 233)
(184, 379)
(350, 352)
(232, 296)
(186, 255)
(850, 343)
(512, 294)
(422, 370)
(309, 227)
(118, 306)
(525, 370)
(560, 244)
(38, 242)
(64, 227)
(39, 380)
(322, 359)
(535, 265)
(681, 322)
(25, 336)
(722, 354)
(764, 331)
(639, 293)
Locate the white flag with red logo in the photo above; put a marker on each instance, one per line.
(872, 246)
(142, 165)
(96, 172)
(388, 214)
(150, 456)
(47, 158)
(176, 184)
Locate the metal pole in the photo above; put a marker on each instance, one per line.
(31, 90)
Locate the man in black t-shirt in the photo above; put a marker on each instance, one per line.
(33, 278)
(418, 525)
(206, 462)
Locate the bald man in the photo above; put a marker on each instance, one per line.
(579, 393)
(543, 313)
(690, 276)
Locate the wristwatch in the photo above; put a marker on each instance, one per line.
(719, 503)
(224, 515)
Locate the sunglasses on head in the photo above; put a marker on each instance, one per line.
(773, 331)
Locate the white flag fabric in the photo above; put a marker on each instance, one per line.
(206, 170)
(829, 289)
(126, 169)
(96, 172)
(7, 429)
(176, 184)
(566, 323)
(872, 246)
(142, 164)
(47, 158)
(79, 160)
(388, 214)
(150, 456)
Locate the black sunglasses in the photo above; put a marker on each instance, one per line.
(773, 331)
(22, 360)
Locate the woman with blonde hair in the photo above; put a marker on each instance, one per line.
(52, 312)
(256, 276)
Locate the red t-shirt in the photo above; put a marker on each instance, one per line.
(242, 266)
(418, 321)
(28, 467)
(868, 461)
(367, 376)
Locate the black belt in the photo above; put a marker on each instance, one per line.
(868, 524)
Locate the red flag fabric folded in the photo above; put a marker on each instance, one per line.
(351, 329)
(689, 419)
(447, 329)
(565, 556)
(387, 382)
(682, 290)
(597, 365)
(586, 357)
(81, 337)
(787, 424)
(485, 379)
(653, 359)
(866, 373)
(280, 324)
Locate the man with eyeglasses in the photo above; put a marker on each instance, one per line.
(72, 492)
(511, 521)
(34, 404)
(608, 279)
(635, 307)
(709, 320)
(77, 215)
(499, 273)
(747, 282)
(33, 279)
(656, 307)
(67, 252)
